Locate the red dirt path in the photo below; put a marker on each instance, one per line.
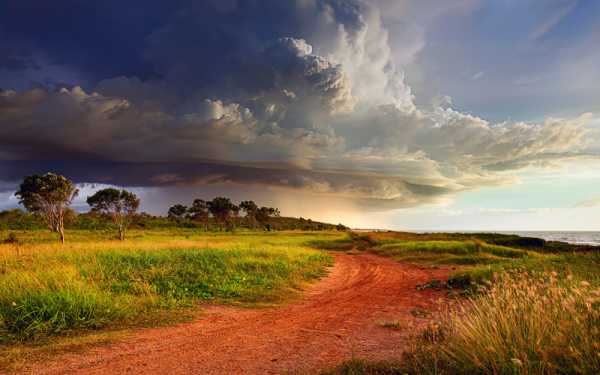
(336, 320)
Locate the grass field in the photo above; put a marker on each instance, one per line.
(528, 311)
(525, 323)
(522, 307)
(91, 282)
(472, 260)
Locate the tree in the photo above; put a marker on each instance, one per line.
(48, 195)
(199, 212)
(221, 209)
(250, 209)
(177, 212)
(120, 205)
(235, 214)
(341, 227)
(263, 214)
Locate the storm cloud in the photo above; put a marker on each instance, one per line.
(297, 95)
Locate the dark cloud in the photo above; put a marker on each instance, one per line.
(14, 60)
(301, 96)
(102, 38)
(368, 190)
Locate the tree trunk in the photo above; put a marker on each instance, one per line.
(121, 234)
(61, 232)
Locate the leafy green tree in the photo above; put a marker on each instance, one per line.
(199, 212)
(250, 209)
(341, 227)
(235, 215)
(49, 196)
(263, 215)
(18, 219)
(177, 212)
(222, 209)
(120, 205)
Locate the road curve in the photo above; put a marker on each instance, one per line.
(337, 319)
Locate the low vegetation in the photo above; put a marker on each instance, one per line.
(393, 324)
(528, 310)
(48, 289)
(525, 323)
(472, 259)
(523, 306)
(47, 199)
(16, 220)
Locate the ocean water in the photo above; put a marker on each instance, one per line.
(576, 237)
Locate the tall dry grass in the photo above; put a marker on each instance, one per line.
(523, 324)
(527, 323)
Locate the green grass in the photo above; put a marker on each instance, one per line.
(518, 326)
(527, 323)
(532, 323)
(581, 266)
(48, 289)
(475, 261)
(540, 316)
(448, 252)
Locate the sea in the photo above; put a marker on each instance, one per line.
(575, 237)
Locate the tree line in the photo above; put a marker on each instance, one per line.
(48, 197)
(224, 212)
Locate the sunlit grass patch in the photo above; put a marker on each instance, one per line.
(526, 323)
(541, 316)
(474, 261)
(457, 248)
(47, 288)
(50, 301)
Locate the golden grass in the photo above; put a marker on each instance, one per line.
(526, 323)
(62, 298)
(47, 288)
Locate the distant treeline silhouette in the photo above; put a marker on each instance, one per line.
(224, 213)
(47, 199)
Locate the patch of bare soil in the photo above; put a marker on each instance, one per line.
(338, 318)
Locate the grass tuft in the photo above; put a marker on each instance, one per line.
(393, 324)
(526, 323)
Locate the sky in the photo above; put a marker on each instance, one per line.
(414, 115)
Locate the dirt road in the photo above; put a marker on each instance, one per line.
(336, 320)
